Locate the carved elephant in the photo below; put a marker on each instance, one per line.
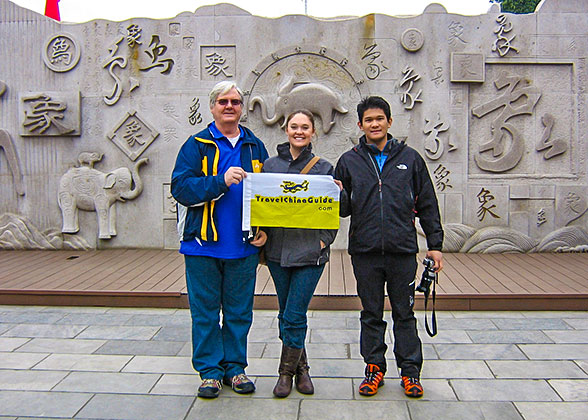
(89, 189)
(317, 98)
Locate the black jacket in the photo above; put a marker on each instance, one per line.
(297, 247)
(383, 206)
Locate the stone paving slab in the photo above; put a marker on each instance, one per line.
(552, 411)
(571, 389)
(503, 390)
(531, 324)
(463, 410)
(5, 327)
(20, 360)
(456, 369)
(84, 362)
(140, 347)
(159, 364)
(535, 369)
(510, 337)
(94, 319)
(30, 317)
(42, 404)
(119, 332)
(137, 407)
(571, 337)
(353, 410)
(174, 333)
(314, 351)
(112, 383)
(44, 331)
(11, 344)
(479, 351)
(429, 352)
(61, 345)
(173, 384)
(234, 408)
(27, 380)
(555, 351)
(578, 324)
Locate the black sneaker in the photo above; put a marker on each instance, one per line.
(210, 388)
(240, 383)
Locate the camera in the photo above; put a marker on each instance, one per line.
(428, 277)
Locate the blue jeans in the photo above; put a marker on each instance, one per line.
(295, 287)
(216, 284)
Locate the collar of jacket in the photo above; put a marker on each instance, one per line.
(246, 134)
(284, 152)
(373, 149)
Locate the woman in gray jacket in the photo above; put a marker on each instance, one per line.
(296, 257)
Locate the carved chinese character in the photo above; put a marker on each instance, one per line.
(437, 73)
(455, 34)
(133, 35)
(503, 45)
(170, 111)
(373, 70)
(541, 217)
(61, 53)
(442, 180)
(555, 146)
(410, 77)
(170, 134)
(195, 116)
(216, 65)
(158, 50)
(433, 145)
(574, 207)
(112, 62)
(518, 98)
(484, 198)
(44, 113)
(132, 133)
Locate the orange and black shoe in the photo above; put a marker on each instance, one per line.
(412, 387)
(374, 378)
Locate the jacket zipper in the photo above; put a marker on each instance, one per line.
(381, 201)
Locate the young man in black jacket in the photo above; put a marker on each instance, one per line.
(386, 186)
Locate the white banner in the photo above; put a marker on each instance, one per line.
(290, 200)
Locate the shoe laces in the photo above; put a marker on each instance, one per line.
(214, 383)
(410, 382)
(240, 378)
(373, 375)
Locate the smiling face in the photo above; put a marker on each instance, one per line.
(227, 108)
(375, 125)
(300, 130)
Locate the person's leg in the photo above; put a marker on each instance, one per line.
(203, 280)
(237, 306)
(303, 281)
(370, 277)
(281, 277)
(401, 271)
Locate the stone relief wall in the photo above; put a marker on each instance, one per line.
(495, 103)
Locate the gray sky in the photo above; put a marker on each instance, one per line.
(84, 10)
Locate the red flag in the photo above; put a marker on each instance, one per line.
(52, 9)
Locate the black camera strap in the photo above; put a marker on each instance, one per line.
(433, 332)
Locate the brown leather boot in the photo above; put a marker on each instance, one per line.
(303, 383)
(288, 363)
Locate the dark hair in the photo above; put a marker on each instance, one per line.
(303, 112)
(373, 102)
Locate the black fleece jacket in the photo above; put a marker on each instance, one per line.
(383, 204)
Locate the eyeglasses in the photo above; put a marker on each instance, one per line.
(225, 102)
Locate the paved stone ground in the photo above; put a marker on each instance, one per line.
(118, 363)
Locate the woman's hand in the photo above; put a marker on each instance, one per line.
(323, 245)
(259, 239)
(339, 184)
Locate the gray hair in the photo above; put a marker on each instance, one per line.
(220, 89)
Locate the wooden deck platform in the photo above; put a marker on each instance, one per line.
(156, 278)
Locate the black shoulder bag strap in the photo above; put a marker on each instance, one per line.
(433, 332)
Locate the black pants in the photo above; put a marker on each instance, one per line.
(397, 273)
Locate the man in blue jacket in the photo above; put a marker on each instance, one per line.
(387, 185)
(221, 259)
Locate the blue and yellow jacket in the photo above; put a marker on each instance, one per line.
(196, 183)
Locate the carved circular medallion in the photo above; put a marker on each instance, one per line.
(305, 77)
(412, 39)
(61, 52)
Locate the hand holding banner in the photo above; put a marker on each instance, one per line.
(291, 201)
